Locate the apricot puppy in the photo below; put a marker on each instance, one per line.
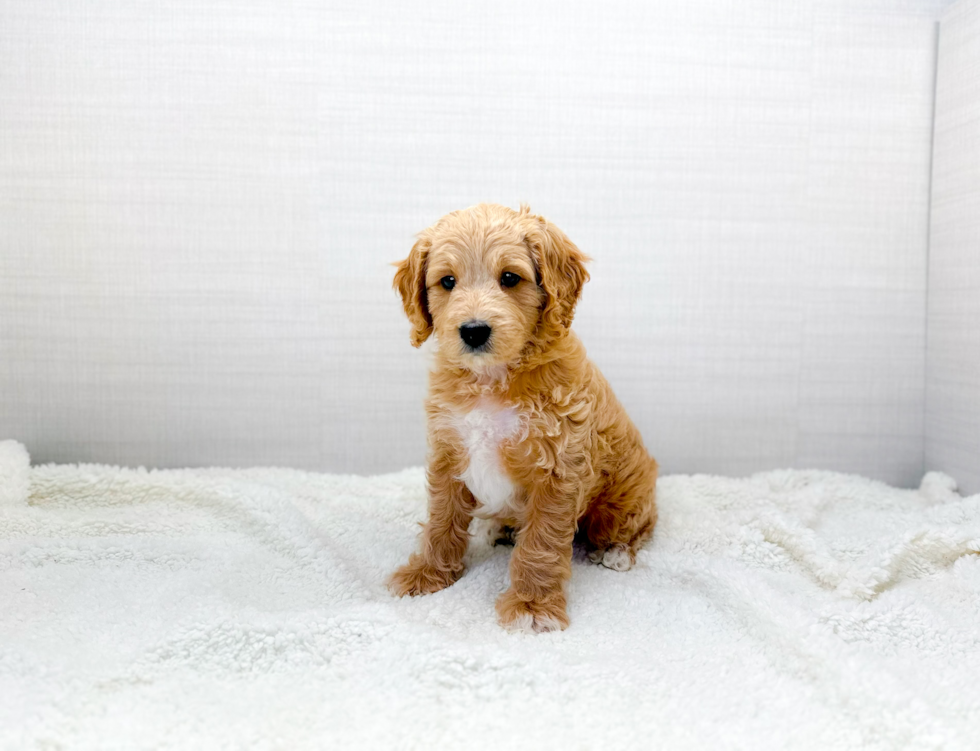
(523, 429)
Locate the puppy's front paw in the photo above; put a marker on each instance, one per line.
(531, 617)
(418, 578)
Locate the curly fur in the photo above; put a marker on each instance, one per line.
(577, 463)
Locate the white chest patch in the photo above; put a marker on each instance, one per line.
(483, 429)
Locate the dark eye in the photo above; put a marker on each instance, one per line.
(509, 279)
(448, 282)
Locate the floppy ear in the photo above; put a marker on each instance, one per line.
(410, 283)
(561, 271)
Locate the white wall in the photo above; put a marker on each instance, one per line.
(953, 382)
(199, 200)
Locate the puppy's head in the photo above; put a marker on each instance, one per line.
(492, 283)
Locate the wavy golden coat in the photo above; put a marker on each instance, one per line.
(523, 428)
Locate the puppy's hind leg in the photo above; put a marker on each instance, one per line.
(616, 530)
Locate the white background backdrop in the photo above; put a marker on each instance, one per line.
(199, 202)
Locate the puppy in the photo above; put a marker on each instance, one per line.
(523, 428)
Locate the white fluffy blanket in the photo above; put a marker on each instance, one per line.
(206, 608)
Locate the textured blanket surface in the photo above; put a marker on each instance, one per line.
(247, 608)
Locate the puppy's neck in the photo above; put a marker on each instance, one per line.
(474, 382)
(556, 365)
(547, 352)
(495, 376)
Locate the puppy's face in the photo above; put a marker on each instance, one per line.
(490, 282)
(482, 294)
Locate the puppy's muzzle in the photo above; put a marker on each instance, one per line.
(475, 334)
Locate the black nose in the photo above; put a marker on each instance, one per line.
(475, 333)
